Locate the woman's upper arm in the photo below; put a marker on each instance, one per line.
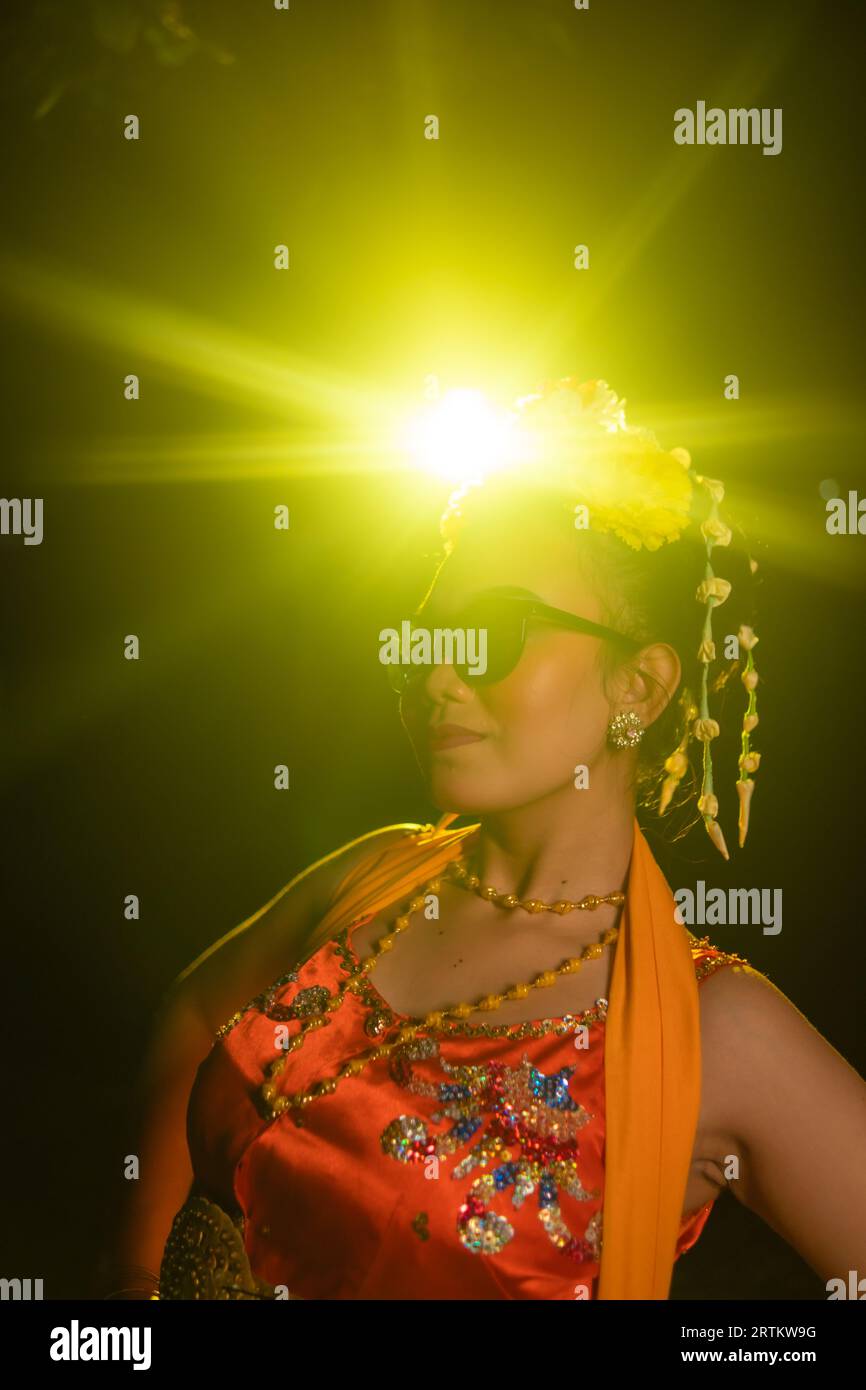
(220, 981)
(180, 1038)
(798, 1112)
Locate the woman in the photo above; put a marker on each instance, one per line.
(500, 1066)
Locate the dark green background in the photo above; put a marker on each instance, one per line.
(408, 258)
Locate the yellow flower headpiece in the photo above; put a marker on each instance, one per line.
(631, 486)
(575, 435)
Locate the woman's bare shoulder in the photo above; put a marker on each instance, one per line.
(258, 950)
(753, 1037)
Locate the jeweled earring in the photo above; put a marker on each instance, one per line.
(625, 730)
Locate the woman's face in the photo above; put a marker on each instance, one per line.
(543, 719)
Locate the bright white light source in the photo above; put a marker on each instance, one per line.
(460, 438)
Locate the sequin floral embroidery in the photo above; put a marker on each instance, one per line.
(526, 1121)
(306, 1002)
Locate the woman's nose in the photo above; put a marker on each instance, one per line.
(444, 684)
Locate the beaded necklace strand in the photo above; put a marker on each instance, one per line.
(277, 1104)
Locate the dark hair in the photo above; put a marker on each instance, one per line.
(648, 595)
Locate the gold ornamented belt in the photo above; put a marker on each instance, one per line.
(205, 1258)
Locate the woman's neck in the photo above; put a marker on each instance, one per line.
(565, 846)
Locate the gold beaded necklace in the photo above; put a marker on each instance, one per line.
(563, 905)
(276, 1105)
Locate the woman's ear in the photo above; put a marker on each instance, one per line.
(648, 682)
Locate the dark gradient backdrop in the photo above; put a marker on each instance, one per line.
(408, 257)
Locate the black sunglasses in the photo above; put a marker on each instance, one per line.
(504, 619)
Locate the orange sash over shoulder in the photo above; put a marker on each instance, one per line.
(652, 1048)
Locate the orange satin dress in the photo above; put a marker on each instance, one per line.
(468, 1164)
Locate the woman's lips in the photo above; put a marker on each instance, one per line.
(451, 736)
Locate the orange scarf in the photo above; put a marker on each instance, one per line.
(652, 1049)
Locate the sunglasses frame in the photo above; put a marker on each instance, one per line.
(531, 609)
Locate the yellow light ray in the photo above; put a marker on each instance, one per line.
(189, 351)
(651, 207)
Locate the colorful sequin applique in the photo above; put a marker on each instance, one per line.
(525, 1110)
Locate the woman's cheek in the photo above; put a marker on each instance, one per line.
(536, 734)
(540, 693)
(556, 716)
